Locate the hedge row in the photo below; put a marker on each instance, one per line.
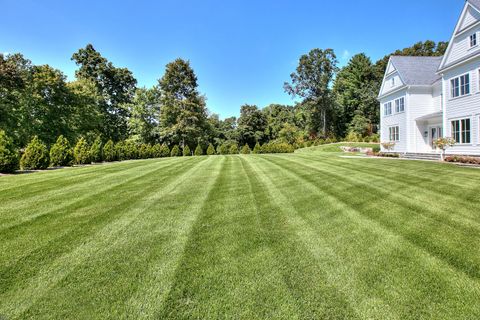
(36, 155)
(465, 160)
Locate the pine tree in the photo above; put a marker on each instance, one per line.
(81, 153)
(109, 153)
(198, 150)
(96, 150)
(175, 151)
(165, 151)
(61, 153)
(186, 151)
(257, 149)
(234, 149)
(35, 156)
(246, 149)
(210, 150)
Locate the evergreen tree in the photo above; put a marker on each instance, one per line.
(257, 149)
(186, 151)
(222, 149)
(175, 151)
(109, 153)
(35, 156)
(8, 154)
(81, 152)
(246, 149)
(233, 149)
(210, 150)
(96, 150)
(61, 153)
(165, 151)
(199, 150)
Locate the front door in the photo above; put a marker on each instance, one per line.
(435, 133)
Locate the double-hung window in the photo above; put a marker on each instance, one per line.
(460, 86)
(394, 133)
(400, 105)
(461, 131)
(387, 108)
(473, 40)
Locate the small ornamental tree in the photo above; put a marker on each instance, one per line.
(233, 149)
(8, 154)
(120, 151)
(156, 148)
(198, 150)
(81, 153)
(165, 151)
(222, 149)
(246, 149)
(175, 151)
(96, 150)
(186, 151)
(210, 150)
(257, 149)
(131, 150)
(388, 145)
(109, 153)
(145, 151)
(35, 156)
(443, 144)
(61, 153)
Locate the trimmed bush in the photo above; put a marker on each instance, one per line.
(222, 149)
(186, 151)
(175, 151)
(96, 150)
(120, 151)
(8, 154)
(109, 153)
(131, 150)
(376, 149)
(246, 149)
(257, 149)
(277, 147)
(233, 149)
(81, 153)
(61, 153)
(145, 151)
(199, 151)
(210, 150)
(35, 156)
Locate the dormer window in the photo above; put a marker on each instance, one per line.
(473, 40)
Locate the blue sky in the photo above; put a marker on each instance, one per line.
(241, 50)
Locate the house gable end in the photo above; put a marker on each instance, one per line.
(392, 79)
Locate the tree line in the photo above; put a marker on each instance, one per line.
(104, 103)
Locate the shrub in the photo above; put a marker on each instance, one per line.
(257, 149)
(186, 151)
(156, 148)
(277, 147)
(233, 149)
(8, 154)
(199, 150)
(96, 150)
(164, 151)
(246, 149)
(81, 153)
(210, 150)
(145, 151)
(109, 153)
(120, 151)
(376, 149)
(222, 149)
(388, 155)
(375, 138)
(61, 153)
(465, 160)
(35, 156)
(131, 150)
(353, 137)
(175, 151)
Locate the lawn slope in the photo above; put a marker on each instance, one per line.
(299, 236)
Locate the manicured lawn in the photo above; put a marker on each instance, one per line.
(302, 236)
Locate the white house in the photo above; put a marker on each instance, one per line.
(424, 98)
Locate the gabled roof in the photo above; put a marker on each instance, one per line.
(475, 3)
(417, 71)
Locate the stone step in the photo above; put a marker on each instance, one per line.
(422, 156)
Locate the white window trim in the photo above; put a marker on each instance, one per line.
(470, 40)
(395, 103)
(395, 134)
(471, 130)
(385, 108)
(459, 87)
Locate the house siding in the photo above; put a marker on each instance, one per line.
(464, 107)
(396, 119)
(387, 85)
(461, 46)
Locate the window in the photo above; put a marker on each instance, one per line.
(400, 105)
(473, 40)
(387, 108)
(393, 82)
(460, 86)
(394, 133)
(461, 131)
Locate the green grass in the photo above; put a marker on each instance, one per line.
(300, 236)
(335, 147)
